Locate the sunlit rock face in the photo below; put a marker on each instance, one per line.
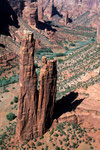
(35, 109)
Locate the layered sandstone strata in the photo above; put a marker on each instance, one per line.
(47, 94)
(35, 113)
(27, 107)
(8, 59)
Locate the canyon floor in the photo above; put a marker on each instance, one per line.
(78, 86)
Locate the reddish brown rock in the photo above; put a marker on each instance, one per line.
(66, 18)
(35, 114)
(40, 10)
(51, 7)
(27, 107)
(7, 59)
(47, 94)
(29, 13)
(69, 117)
(98, 31)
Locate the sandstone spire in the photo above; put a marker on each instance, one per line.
(27, 107)
(51, 8)
(47, 94)
(40, 10)
(35, 113)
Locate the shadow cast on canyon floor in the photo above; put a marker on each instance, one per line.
(66, 104)
(44, 25)
(55, 12)
(7, 17)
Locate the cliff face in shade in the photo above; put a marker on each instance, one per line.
(47, 94)
(27, 107)
(35, 113)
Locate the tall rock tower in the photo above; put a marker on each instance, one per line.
(40, 10)
(35, 111)
(51, 8)
(27, 106)
(47, 94)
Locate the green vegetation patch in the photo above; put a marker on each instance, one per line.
(10, 116)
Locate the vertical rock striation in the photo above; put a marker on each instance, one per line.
(27, 107)
(47, 94)
(35, 113)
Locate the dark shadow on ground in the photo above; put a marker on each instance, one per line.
(7, 17)
(44, 25)
(1, 45)
(55, 12)
(66, 104)
(70, 20)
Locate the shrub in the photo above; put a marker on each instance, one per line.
(60, 61)
(11, 102)
(33, 145)
(28, 146)
(1, 142)
(59, 54)
(35, 65)
(60, 142)
(52, 131)
(72, 44)
(10, 116)
(91, 147)
(5, 90)
(3, 135)
(66, 48)
(34, 140)
(16, 99)
(41, 137)
(57, 148)
(46, 148)
(56, 135)
(38, 143)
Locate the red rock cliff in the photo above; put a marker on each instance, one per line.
(47, 94)
(35, 114)
(27, 107)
